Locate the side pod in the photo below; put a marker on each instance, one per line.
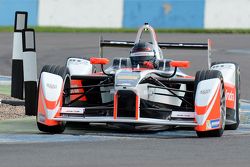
(50, 98)
(207, 105)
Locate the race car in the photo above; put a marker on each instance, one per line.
(143, 88)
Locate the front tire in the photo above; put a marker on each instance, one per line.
(209, 74)
(64, 73)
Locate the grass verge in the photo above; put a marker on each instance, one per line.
(128, 30)
(5, 89)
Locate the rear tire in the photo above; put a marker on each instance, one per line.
(64, 73)
(237, 86)
(209, 74)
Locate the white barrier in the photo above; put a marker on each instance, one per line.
(80, 13)
(17, 57)
(24, 66)
(132, 13)
(227, 14)
(30, 71)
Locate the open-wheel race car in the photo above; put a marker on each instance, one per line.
(141, 89)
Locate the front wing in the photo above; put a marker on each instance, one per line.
(78, 116)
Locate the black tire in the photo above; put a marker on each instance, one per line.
(64, 73)
(237, 84)
(56, 71)
(209, 74)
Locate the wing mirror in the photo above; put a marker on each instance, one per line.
(183, 64)
(98, 60)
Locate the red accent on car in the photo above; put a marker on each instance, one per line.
(183, 64)
(98, 60)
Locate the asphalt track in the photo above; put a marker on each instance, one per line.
(22, 145)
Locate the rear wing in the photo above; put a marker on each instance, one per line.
(162, 45)
(130, 44)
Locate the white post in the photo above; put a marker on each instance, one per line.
(30, 71)
(17, 59)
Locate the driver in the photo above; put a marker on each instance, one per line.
(142, 55)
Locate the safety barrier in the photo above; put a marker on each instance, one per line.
(160, 14)
(130, 13)
(24, 64)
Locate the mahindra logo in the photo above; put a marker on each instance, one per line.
(74, 90)
(229, 96)
(205, 91)
(51, 86)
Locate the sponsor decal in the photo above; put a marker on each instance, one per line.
(215, 123)
(212, 124)
(129, 77)
(75, 90)
(75, 61)
(182, 114)
(72, 110)
(75, 84)
(142, 54)
(223, 66)
(51, 85)
(230, 95)
(85, 62)
(205, 91)
(208, 125)
(41, 117)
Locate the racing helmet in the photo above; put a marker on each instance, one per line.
(141, 52)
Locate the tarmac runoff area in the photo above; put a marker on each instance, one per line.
(23, 145)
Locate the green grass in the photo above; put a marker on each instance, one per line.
(128, 30)
(25, 125)
(5, 89)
